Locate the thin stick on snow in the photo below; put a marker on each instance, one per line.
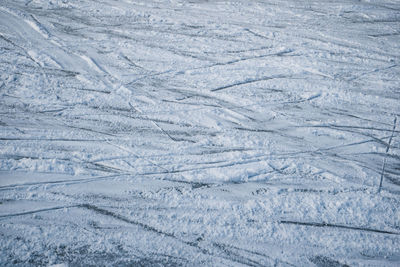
(387, 150)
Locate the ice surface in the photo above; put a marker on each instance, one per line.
(214, 133)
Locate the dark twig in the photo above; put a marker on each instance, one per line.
(387, 150)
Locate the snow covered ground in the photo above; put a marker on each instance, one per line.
(199, 133)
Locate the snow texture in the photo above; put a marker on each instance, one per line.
(199, 133)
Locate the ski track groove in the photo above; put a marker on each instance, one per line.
(315, 224)
(152, 229)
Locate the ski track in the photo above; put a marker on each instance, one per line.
(200, 133)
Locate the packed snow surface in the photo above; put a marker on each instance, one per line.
(200, 133)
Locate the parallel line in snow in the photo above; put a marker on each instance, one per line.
(36, 211)
(317, 224)
(249, 81)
